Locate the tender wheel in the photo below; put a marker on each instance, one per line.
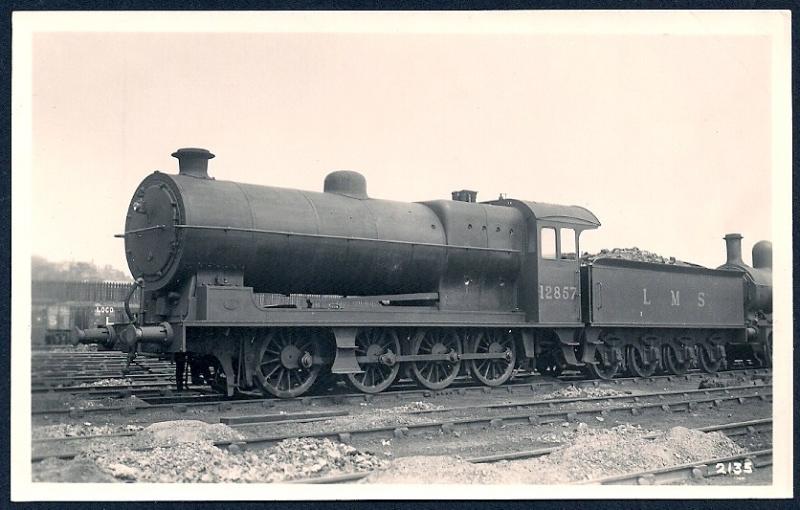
(436, 375)
(493, 371)
(672, 363)
(706, 358)
(380, 374)
(285, 365)
(636, 362)
(606, 366)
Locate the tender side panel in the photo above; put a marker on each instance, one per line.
(633, 294)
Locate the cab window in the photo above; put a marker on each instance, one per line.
(568, 248)
(548, 240)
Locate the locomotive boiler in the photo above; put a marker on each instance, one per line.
(280, 289)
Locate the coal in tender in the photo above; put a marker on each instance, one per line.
(633, 254)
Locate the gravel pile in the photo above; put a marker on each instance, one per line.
(587, 392)
(415, 406)
(713, 382)
(73, 348)
(306, 457)
(168, 433)
(183, 452)
(106, 382)
(79, 402)
(201, 461)
(723, 382)
(571, 434)
(593, 453)
(190, 462)
(80, 430)
(608, 452)
(633, 254)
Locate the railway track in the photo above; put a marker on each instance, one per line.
(180, 404)
(98, 372)
(75, 372)
(740, 395)
(680, 401)
(141, 390)
(630, 398)
(74, 381)
(739, 464)
(665, 475)
(66, 364)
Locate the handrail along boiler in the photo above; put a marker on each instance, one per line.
(281, 289)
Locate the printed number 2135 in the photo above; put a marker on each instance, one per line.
(734, 468)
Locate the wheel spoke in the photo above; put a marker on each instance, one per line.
(429, 368)
(277, 367)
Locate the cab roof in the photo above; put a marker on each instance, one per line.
(572, 214)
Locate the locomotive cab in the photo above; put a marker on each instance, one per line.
(550, 283)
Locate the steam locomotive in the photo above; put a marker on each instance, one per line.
(279, 289)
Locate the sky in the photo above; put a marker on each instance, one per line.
(665, 138)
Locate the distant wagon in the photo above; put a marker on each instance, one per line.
(60, 307)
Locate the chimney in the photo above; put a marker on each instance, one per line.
(465, 195)
(734, 246)
(192, 161)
